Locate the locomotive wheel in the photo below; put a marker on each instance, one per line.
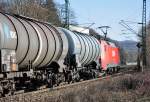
(114, 69)
(110, 71)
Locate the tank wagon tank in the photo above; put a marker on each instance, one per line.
(25, 42)
(85, 48)
(34, 53)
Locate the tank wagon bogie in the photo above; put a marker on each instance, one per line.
(32, 41)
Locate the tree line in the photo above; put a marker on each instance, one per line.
(43, 10)
(148, 45)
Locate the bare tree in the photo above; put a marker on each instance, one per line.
(4, 5)
(44, 10)
(52, 12)
(61, 13)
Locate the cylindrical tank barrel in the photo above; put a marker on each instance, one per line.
(34, 41)
(83, 45)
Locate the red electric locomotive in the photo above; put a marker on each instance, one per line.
(110, 57)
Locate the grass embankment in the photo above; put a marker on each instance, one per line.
(127, 88)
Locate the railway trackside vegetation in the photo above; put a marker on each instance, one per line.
(128, 88)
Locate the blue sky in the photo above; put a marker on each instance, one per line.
(109, 12)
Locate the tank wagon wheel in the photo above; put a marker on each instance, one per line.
(110, 71)
(69, 77)
(77, 78)
(1, 91)
(118, 68)
(7, 89)
(49, 79)
(114, 69)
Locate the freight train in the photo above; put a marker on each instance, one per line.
(34, 53)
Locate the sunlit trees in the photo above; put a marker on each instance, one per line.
(43, 10)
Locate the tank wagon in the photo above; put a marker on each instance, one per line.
(34, 53)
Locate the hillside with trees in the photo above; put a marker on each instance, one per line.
(131, 50)
(43, 10)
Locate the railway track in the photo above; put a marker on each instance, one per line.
(36, 96)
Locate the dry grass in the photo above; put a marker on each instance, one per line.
(128, 88)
